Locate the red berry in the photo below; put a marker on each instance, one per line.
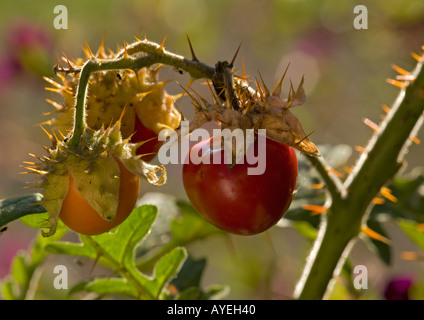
(237, 202)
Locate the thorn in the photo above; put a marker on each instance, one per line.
(387, 193)
(111, 53)
(263, 83)
(125, 50)
(142, 94)
(276, 91)
(359, 149)
(335, 172)
(163, 43)
(214, 97)
(374, 235)
(190, 82)
(304, 138)
(54, 83)
(139, 34)
(400, 70)
(262, 95)
(65, 59)
(411, 256)
(104, 153)
(348, 169)
(385, 107)
(193, 56)
(316, 209)
(205, 102)
(58, 65)
(36, 171)
(416, 56)
(243, 69)
(378, 200)
(88, 51)
(55, 136)
(235, 55)
(415, 140)
(56, 105)
(101, 50)
(316, 186)
(29, 162)
(62, 135)
(196, 103)
(300, 86)
(47, 133)
(370, 124)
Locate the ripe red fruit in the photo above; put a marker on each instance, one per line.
(237, 202)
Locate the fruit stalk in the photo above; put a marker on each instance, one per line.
(381, 160)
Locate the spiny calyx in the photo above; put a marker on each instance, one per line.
(257, 109)
(109, 92)
(94, 170)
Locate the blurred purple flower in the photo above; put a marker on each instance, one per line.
(398, 288)
(8, 253)
(26, 48)
(26, 35)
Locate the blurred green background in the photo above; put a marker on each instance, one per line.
(345, 71)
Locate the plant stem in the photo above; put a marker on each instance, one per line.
(379, 162)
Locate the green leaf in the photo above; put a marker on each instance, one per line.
(36, 220)
(166, 269)
(15, 208)
(116, 249)
(20, 270)
(191, 226)
(215, 292)
(188, 228)
(410, 228)
(72, 249)
(7, 290)
(120, 245)
(111, 286)
(190, 274)
(25, 264)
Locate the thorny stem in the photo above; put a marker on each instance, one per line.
(380, 161)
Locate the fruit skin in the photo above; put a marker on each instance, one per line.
(236, 202)
(149, 149)
(79, 216)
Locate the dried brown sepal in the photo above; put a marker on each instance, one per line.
(259, 109)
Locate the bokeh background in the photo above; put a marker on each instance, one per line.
(345, 71)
